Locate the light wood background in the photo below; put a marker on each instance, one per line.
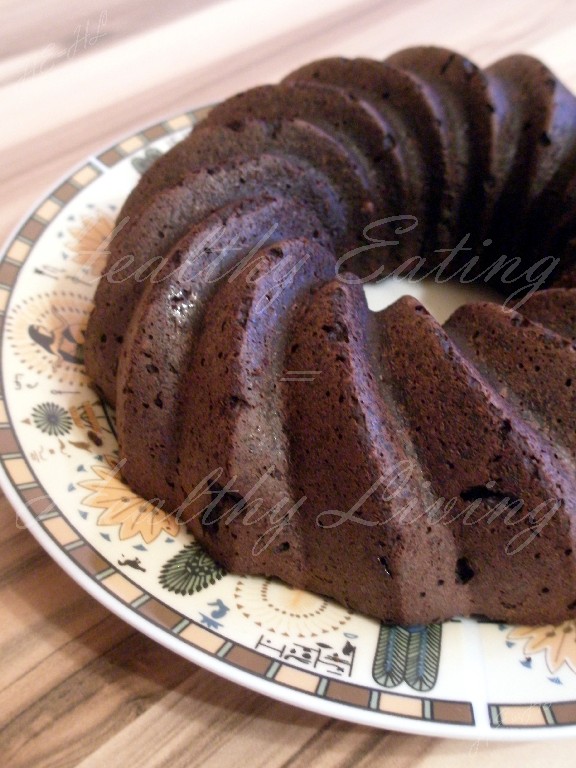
(78, 687)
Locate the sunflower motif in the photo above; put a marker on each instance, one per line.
(125, 508)
(191, 570)
(279, 608)
(557, 643)
(52, 419)
(90, 246)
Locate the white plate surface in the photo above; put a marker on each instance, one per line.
(58, 454)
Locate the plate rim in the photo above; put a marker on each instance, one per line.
(320, 705)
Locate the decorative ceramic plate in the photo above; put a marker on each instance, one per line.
(59, 455)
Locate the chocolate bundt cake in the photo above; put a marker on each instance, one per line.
(409, 470)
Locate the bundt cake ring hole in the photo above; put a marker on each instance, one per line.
(440, 299)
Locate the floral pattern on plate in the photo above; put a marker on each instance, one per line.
(60, 469)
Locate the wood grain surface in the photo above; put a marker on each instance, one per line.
(78, 687)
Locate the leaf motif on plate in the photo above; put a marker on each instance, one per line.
(190, 571)
(390, 657)
(410, 655)
(143, 162)
(423, 657)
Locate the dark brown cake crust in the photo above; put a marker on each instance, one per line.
(357, 124)
(422, 135)
(544, 157)
(474, 122)
(233, 432)
(397, 100)
(474, 446)
(350, 444)
(215, 145)
(411, 471)
(142, 245)
(554, 309)
(160, 339)
(516, 357)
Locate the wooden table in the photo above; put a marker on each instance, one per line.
(78, 687)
